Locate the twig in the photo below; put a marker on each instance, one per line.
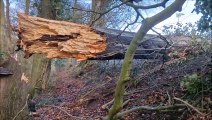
(79, 9)
(105, 106)
(126, 102)
(136, 19)
(22, 108)
(169, 100)
(101, 14)
(75, 117)
(167, 45)
(189, 105)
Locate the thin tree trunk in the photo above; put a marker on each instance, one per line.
(2, 27)
(99, 6)
(75, 11)
(27, 2)
(148, 23)
(9, 31)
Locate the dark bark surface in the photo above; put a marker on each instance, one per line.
(118, 42)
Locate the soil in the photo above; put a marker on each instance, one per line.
(82, 95)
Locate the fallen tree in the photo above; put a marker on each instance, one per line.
(60, 39)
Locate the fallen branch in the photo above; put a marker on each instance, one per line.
(148, 108)
(189, 105)
(105, 106)
(74, 117)
(126, 102)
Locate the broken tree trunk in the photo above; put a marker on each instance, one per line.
(60, 39)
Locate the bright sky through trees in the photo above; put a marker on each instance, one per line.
(187, 16)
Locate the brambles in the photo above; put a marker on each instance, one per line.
(193, 84)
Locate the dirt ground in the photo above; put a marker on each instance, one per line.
(81, 95)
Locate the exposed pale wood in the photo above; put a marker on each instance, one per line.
(59, 39)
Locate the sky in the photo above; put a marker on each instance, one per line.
(185, 18)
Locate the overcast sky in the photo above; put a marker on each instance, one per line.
(187, 17)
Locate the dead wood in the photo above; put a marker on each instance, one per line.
(60, 39)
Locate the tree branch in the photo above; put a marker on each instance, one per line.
(74, 117)
(148, 108)
(162, 4)
(101, 14)
(79, 9)
(189, 105)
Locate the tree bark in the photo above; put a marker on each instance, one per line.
(99, 6)
(148, 23)
(2, 27)
(10, 43)
(27, 2)
(42, 65)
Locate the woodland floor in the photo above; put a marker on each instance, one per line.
(82, 95)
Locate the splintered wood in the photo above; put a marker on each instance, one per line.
(59, 39)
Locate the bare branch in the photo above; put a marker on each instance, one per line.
(79, 9)
(74, 117)
(136, 19)
(189, 105)
(148, 108)
(162, 4)
(101, 14)
(105, 106)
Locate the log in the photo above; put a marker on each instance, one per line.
(151, 48)
(60, 39)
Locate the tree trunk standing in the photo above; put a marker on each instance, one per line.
(74, 17)
(27, 2)
(9, 30)
(12, 89)
(148, 23)
(2, 27)
(41, 65)
(99, 6)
